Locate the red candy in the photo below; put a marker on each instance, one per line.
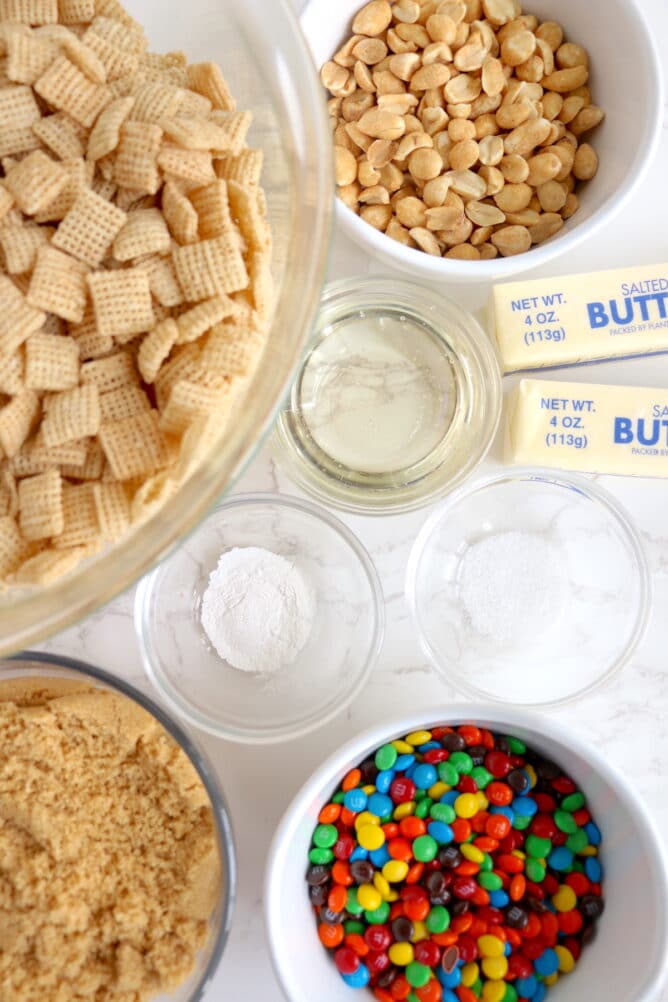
(346, 960)
(402, 790)
(427, 952)
(378, 937)
(498, 763)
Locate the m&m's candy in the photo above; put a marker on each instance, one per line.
(456, 864)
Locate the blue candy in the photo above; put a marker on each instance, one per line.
(355, 801)
(561, 858)
(540, 993)
(593, 833)
(547, 963)
(498, 899)
(424, 776)
(507, 949)
(593, 869)
(359, 853)
(449, 996)
(506, 811)
(451, 980)
(526, 987)
(428, 746)
(449, 797)
(384, 780)
(526, 806)
(441, 831)
(403, 763)
(380, 805)
(379, 857)
(360, 979)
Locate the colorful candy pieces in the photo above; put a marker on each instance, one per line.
(456, 865)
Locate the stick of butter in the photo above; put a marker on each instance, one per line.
(582, 426)
(580, 318)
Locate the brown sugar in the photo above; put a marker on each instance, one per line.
(109, 866)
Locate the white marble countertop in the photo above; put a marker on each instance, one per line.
(627, 720)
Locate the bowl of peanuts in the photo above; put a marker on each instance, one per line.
(476, 139)
(164, 223)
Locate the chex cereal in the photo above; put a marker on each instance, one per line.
(135, 277)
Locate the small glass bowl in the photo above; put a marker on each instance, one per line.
(328, 673)
(397, 400)
(34, 664)
(572, 631)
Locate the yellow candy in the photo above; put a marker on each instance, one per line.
(404, 810)
(392, 896)
(420, 932)
(395, 870)
(369, 897)
(495, 968)
(551, 979)
(531, 772)
(403, 747)
(438, 789)
(493, 991)
(566, 959)
(483, 802)
(466, 805)
(589, 850)
(418, 738)
(369, 789)
(490, 946)
(366, 818)
(371, 837)
(401, 954)
(519, 854)
(471, 853)
(470, 974)
(382, 885)
(565, 899)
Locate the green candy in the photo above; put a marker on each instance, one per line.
(379, 915)
(511, 994)
(538, 848)
(320, 857)
(490, 881)
(353, 907)
(443, 812)
(476, 987)
(535, 871)
(565, 822)
(412, 997)
(353, 926)
(487, 864)
(325, 836)
(573, 802)
(417, 975)
(462, 762)
(385, 757)
(516, 746)
(339, 797)
(425, 848)
(419, 795)
(423, 808)
(521, 822)
(447, 773)
(577, 841)
(438, 919)
(482, 776)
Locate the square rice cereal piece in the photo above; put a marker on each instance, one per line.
(246, 168)
(77, 181)
(76, 11)
(18, 319)
(48, 566)
(185, 363)
(17, 420)
(136, 164)
(84, 59)
(113, 10)
(106, 132)
(246, 212)
(123, 402)
(73, 414)
(61, 134)
(35, 181)
(152, 495)
(212, 206)
(155, 349)
(233, 349)
(118, 62)
(113, 509)
(195, 134)
(14, 549)
(28, 56)
(179, 214)
(71, 453)
(262, 286)
(201, 318)
(66, 88)
(110, 373)
(195, 105)
(52, 362)
(41, 505)
(90, 344)
(6, 201)
(11, 373)
(194, 166)
(32, 12)
(207, 79)
(15, 142)
(145, 232)
(235, 125)
(155, 101)
(89, 228)
(210, 267)
(80, 521)
(92, 466)
(10, 492)
(58, 284)
(164, 284)
(18, 108)
(135, 446)
(122, 303)
(20, 245)
(188, 401)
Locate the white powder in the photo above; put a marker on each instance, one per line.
(258, 610)
(512, 586)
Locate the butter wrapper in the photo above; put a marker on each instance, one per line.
(581, 318)
(597, 429)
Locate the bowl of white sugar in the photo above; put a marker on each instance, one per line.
(529, 588)
(265, 624)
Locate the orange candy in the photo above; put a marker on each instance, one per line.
(330, 814)
(465, 994)
(341, 873)
(472, 735)
(400, 848)
(498, 826)
(486, 844)
(352, 780)
(337, 898)
(461, 829)
(412, 827)
(448, 938)
(518, 886)
(414, 874)
(357, 943)
(417, 911)
(499, 794)
(330, 936)
(462, 923)
(468, 868)
(431, 992)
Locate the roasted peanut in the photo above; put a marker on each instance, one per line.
(518, 47)
(381, 124)
(460, 129)
(586, 120)
(436, 191)
(569, 54)
(514, 197)
(485, 214)
(586, 162)
(490, 150)
(566, 80)
(377, 216)
(406, 11)
(509, 116)
(493, 77)
(429, 77)
(471, 56)
(552, 105)
(500, 11)
(552, 33)
(373, 19)
(511, 240)
(434, 120)
(571, 207)
(514, 168)
(526, 137)
(441, 28)
(488, 252)
(426, 241)
(463, 252)
(493, 178)
(425, 164)
(543, 167)
(552, 196)
(548, 224)
(464, 155)
(345, 166)
(467, 184)
(349, 195)
(370, 51)
(381, 152)
(443, 217)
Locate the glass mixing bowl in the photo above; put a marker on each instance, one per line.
(31, 664)
(270, 72)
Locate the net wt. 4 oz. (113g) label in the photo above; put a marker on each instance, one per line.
(581, 318)
(597, 429)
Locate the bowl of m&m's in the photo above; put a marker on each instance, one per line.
(467, 853)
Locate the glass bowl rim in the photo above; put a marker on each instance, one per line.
(591, 491)
(249, 735)
(205, 770)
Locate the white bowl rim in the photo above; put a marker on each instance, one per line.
(184, 708)
(379, 734)
(450, 269)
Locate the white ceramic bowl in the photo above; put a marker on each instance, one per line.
(626, 81)
(626, 962)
